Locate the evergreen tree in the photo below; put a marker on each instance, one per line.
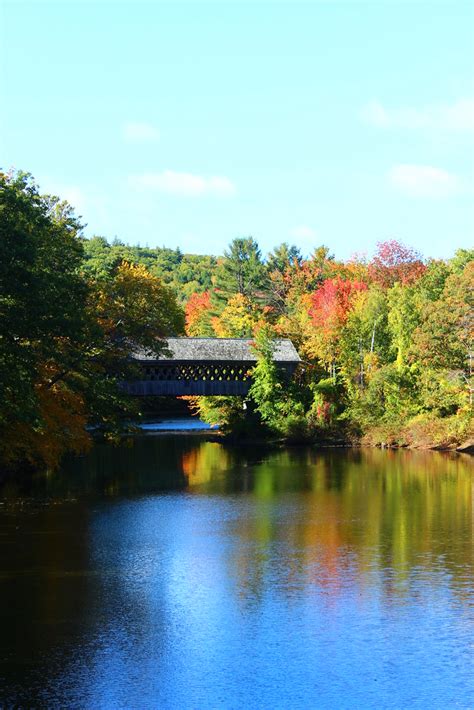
(242, 271)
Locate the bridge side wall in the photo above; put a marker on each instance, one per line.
(180, 388)
(178, 378)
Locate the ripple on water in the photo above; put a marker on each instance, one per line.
(272, 580)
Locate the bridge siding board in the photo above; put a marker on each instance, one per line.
(180, 388)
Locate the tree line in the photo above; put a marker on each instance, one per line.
(386, 342)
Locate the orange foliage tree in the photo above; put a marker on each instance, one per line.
(329, 310)
(198, 312)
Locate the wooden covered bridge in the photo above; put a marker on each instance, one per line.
(205, 366)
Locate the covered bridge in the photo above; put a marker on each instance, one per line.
(205, 366)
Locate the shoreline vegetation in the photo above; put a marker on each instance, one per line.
(465, 447)
(367, 441)
(386, 341)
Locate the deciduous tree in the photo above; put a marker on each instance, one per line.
(395, 263)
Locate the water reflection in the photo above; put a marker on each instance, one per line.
(187, 574)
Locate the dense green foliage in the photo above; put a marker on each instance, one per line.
(184, 273)
(42, 297)
(386, 344)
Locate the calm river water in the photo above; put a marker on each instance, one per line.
(183, 574)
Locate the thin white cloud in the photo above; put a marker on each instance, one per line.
(424, 181)
(137, 132)
(302, 231)
(183, 184)
(455, 118)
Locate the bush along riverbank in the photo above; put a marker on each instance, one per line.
(420, 433)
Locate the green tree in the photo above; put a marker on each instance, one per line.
(461, 259)
(364, 339)
(444, 337)
(42, 294)
(282, 263)
(283, 257)
(276, 399)
(241, 271)
(44, 323)
(403, 318)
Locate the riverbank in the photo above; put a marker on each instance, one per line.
(365, 442)
(448, 434)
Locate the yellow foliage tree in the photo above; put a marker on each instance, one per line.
(239, 318)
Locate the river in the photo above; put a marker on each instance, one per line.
(182, 573)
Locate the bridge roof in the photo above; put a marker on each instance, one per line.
(219, 349)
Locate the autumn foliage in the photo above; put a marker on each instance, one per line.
(395, 262)
(197, 311)
(332, 301)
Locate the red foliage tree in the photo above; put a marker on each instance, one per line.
(331, 303)
(394, 262)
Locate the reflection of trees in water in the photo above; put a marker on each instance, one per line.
(323, 517)
(203, 462)
(260, 525)
(361, 513)
(311, 517)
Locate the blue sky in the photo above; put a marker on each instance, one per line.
(188, 124)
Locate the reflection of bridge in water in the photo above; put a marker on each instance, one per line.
(206, 366)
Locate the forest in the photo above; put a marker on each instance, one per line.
(385, 340)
